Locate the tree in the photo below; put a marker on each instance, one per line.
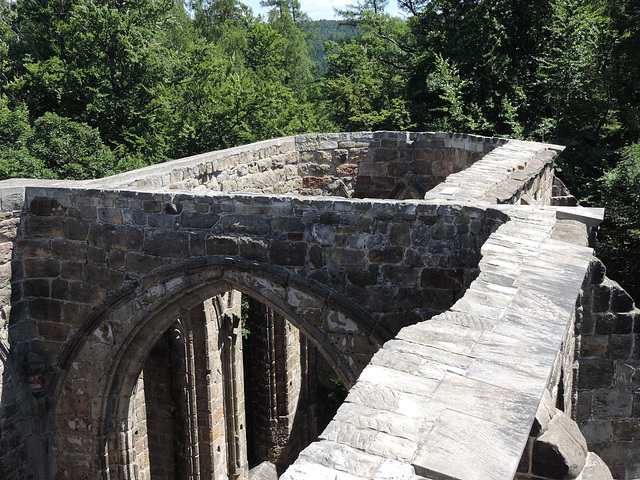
(94, 62)
(619, 236)
(53, 147)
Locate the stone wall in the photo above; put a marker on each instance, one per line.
(474, 300)
(362, 164)
(608, 386)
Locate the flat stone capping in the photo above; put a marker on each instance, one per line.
(504, 175)
(455, 397)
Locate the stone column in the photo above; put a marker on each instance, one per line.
(281, 388)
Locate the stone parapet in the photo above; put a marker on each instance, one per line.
(450, 314)
(455, 397)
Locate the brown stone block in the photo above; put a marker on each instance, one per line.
(340, 155)
(217, 245)
(76, 229)
(142, 264)
(400, 274)
(359, 153)
(203, 221)
(246, 224)
(610, 323)
(594, 345)
(123, 237)
(54, 331)
(68, 250)
(444, 231)
(596, 373)
(315, 182)
(167, 244)
(421, 166)
(626, 430)
(449, 279)
(44, 227)
(390, 254)
(104, 277)
(76, 404)
(6, 250)
(384, 183)
(33, 247)
(612, 403)
(347, 170)
(109, 215)
(36, 287)
(116, 259)
(287, 224)
(254, 249)
(600, 298)
(41, 267)
(43, 206)
(75, 313)
(44, 309)
(345, 257)
(372, 168)
(288, 253)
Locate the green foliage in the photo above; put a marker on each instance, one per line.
(322, 31)
(69, 149)
(619, 236)
(53, 147)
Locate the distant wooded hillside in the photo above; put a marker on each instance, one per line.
(322, 31)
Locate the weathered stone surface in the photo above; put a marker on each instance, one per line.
(561, 451)
(349, 272)
(595, 469)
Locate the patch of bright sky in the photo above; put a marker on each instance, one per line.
(318, 9)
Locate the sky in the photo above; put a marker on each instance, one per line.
(316, 9)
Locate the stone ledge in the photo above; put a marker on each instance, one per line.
(487, 352)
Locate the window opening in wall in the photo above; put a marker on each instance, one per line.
(229, 386)
(283, 372)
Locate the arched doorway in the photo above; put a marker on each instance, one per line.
(122, 339)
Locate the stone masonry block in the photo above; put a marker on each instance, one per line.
(221, 245)
(621, 301)
(611, 323)
(167, 244)
(561, 451)
(595, 469)
(596, 373)
(288, 253)
(626, 430)
(612, 403)
(601, 295)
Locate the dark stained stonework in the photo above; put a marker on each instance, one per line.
(429, 271)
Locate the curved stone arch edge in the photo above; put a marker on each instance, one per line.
(201, 279)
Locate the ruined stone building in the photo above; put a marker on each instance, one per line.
(205, 318)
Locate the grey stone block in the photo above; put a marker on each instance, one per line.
(467, 448)
(561, 451)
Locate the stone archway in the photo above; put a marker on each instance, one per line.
(115, 342)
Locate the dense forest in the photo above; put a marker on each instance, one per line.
(94, 87)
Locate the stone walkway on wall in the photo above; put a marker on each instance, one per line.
(455, 397)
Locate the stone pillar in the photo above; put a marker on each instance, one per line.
(282, 388)
(138, 432)
(226, 387)
(187, 410)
